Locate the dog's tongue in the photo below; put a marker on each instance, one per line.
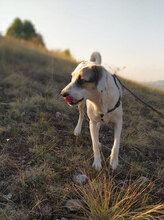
(70, 99)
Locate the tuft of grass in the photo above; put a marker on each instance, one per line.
(105, 198)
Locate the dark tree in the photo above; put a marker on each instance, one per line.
(24, 30)
(16, 29)
(28, 30)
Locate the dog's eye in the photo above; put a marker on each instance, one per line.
(80, 81)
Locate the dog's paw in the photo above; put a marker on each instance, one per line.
(77, 131)
(113, 162)
(97, 164)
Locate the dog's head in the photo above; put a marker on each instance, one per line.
(88, 79)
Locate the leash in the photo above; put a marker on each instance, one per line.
(149, 106)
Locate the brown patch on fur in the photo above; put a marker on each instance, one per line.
(91, 74)
(97, 70)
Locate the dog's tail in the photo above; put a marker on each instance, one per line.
(96, 58)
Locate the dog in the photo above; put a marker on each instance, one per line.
(92, 85)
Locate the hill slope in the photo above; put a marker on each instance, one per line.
(38, 152)
(157, 84)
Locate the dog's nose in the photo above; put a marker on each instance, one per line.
(64, 94)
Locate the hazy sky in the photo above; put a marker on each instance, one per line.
(127, 32)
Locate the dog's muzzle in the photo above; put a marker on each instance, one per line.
(72, 101)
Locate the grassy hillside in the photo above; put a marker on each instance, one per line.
(39, 153)
(157, 84)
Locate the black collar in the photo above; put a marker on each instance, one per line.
(118, 102)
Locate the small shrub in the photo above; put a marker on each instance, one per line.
(67, 52)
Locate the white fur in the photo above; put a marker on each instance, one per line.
(96, 58)
(98, 102)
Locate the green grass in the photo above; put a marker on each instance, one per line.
(39, 153)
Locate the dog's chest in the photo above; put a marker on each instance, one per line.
(96, 115)
(105, 117)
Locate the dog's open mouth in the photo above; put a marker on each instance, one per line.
(72, 101)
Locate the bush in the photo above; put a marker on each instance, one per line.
(38, 39)
(67, 52)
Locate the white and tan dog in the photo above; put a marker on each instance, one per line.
(94, 86)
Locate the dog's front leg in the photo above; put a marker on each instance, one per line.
(115, 148)
(94, 130)
(77, 130)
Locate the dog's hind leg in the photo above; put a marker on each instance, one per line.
(77, 130)
(94, 130)
(115, 148)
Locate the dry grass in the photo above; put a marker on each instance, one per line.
(105, 197)
(20, 44)
(39, 153)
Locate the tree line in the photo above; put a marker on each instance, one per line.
(24, 30)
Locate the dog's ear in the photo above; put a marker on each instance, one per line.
(99, 77)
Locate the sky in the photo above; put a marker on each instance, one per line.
(127, 33)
